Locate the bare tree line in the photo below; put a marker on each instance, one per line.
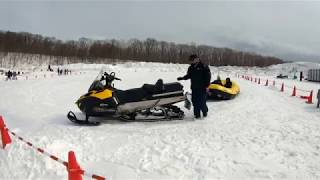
(150, 50)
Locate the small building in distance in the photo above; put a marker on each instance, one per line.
(314, 75)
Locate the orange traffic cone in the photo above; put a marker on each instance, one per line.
(310, 98)
(6, 139)
(294, 93)
(74, 170)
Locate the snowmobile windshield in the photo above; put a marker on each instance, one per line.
(98, 83)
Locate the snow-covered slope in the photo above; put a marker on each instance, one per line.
(261, 134)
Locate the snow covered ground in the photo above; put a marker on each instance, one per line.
(261, 134)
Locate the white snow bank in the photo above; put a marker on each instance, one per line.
(261, 134)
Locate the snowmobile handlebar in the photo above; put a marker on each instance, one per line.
(111, 77)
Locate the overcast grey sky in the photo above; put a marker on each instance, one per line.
(285, 29)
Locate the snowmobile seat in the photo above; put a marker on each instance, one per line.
(171, 87)
(169, 90)
(130, 95)
(154, 89)
(146, 92)
(159, 87)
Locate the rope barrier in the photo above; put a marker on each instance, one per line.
(274, 83)
(294, 92)
(72, 166)
(39, 149)
(303, 90)
(45, 76)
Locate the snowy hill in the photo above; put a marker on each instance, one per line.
(261, 134)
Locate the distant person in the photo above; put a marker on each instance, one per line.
(217, 81)
(14, 75)
(49, 68)
(200, 76)
(318, 97)
(9, 75)
(228, 83)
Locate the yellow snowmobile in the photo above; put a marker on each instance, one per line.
(148, 103)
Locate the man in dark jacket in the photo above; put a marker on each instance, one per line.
(200, 76)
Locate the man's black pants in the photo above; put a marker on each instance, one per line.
(199, 101)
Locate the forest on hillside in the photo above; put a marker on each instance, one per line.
(149, 50)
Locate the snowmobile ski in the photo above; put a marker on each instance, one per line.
(73, 118)
(149, 119)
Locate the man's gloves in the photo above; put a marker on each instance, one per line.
(208, 91)
(180, 78)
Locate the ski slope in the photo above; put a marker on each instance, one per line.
(261, 134)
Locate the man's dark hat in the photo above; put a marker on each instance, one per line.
(192, 57)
